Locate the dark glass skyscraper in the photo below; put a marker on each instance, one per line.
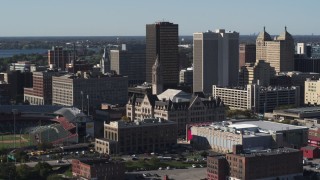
(162, 40)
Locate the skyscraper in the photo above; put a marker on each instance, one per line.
(162, 41)
(278, 52)
(215, 59)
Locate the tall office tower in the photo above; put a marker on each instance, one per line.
(58, 57)
(247, 54)
(157, 78)
(131, 63)
(215, 59)
(162, 41)
(105, 62)
(278, 52)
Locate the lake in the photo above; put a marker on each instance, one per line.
(12, 52)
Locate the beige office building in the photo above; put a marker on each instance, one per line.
(215, 59)
(256, 73)
(66, 90)
(311, 92)
(279, 52)
(139, 136)
(258, 98)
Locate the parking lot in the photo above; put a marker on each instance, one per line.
(312, 165)
(176, 174)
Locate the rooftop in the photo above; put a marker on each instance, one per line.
(175, 95)
(267, 152)
(29, 108)
(301, 110)
(140, 123)
(272, 126)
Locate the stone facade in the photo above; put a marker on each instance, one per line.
(196, 110)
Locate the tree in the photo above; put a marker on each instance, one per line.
(24, 172)
(55, 177)
(125, 118)
(44, 146)
(43, 169)
(7, 171)
(204, 153)
(21, 156)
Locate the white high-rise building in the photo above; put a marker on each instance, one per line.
(301, 48)
(215, 59)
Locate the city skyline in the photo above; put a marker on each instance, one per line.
(122, 18)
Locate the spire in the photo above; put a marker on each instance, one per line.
(264, 36)
(285, 28)
(157, 84)
(156, 63)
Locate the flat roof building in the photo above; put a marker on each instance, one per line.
(281, 163)
(66, 90)
(129, 63)
(147, 135)
(215, 59)
(258, 98)
(101, 168)
(162, 40)
(252, 135)
(311, 92)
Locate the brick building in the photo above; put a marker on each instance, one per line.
(282, 163)
(90, 169)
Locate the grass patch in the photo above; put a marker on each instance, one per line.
(7, 141)
(68, 172)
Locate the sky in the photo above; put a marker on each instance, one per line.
(129, 17)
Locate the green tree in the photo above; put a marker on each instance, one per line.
(43, 169)
(21, 156)
(204, 153)
(125, 118)
(55, 177)
(44, 146)
(24, 172)
(7, 171)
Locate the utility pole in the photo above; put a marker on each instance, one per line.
(81, 101)
(88, 104)
(14, 111)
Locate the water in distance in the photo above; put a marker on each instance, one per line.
(11, 52)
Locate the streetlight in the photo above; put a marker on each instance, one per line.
(81, 101)
(88, 104)
(14, 111)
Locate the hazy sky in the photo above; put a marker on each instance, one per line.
(128, 17)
